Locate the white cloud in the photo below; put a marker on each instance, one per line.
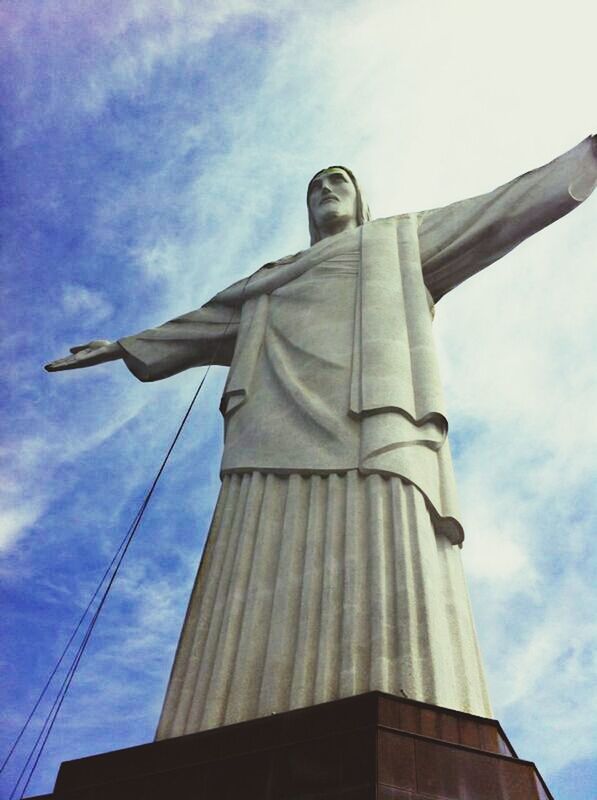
(90, 305)
(551, 674)
(21, 505)
(15, 521)
(493, 554)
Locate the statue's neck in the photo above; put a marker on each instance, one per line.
(333, 227)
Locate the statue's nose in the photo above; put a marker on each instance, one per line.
(325, 189)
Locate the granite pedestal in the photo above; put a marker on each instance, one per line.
(360, 748)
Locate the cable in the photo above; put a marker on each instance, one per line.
(60, 660)
(70, 672)
(117, 561)
(56, 706)
(60, 697)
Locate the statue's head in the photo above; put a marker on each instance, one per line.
(333, 193)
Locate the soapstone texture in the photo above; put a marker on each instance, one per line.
(332, 564)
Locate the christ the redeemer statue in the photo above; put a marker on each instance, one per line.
(332, 565)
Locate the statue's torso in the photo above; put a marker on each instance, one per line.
(300, 384)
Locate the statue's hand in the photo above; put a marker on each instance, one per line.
(87, 355)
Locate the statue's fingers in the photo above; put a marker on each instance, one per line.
(53, 366)
(60, 363)
(78, 348)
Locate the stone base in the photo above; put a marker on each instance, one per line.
(370, 747)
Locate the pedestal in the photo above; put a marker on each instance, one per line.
(370, 747)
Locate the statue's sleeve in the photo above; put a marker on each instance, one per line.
(205, 336)
(463, 238)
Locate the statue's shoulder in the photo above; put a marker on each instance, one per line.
(280, 262)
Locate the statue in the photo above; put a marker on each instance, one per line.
(332, 566)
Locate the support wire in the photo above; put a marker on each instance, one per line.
(114, 566)
(110, 575)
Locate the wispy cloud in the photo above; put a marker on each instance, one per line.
(89, 306)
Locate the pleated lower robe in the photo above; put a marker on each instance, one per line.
(316, 588)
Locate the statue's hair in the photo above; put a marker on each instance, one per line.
(363, 213)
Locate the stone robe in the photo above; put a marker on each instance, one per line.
(330, 567)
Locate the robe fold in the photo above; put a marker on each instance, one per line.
(333, 412)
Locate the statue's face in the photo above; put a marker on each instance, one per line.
(332, 198)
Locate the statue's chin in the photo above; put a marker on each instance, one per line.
(333, 221)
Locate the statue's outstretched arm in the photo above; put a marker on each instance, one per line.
(204, 336)
(99, 351)
(463, 238)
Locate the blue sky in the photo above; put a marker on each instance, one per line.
(153, 153)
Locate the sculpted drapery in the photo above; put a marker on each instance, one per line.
(331, 566)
